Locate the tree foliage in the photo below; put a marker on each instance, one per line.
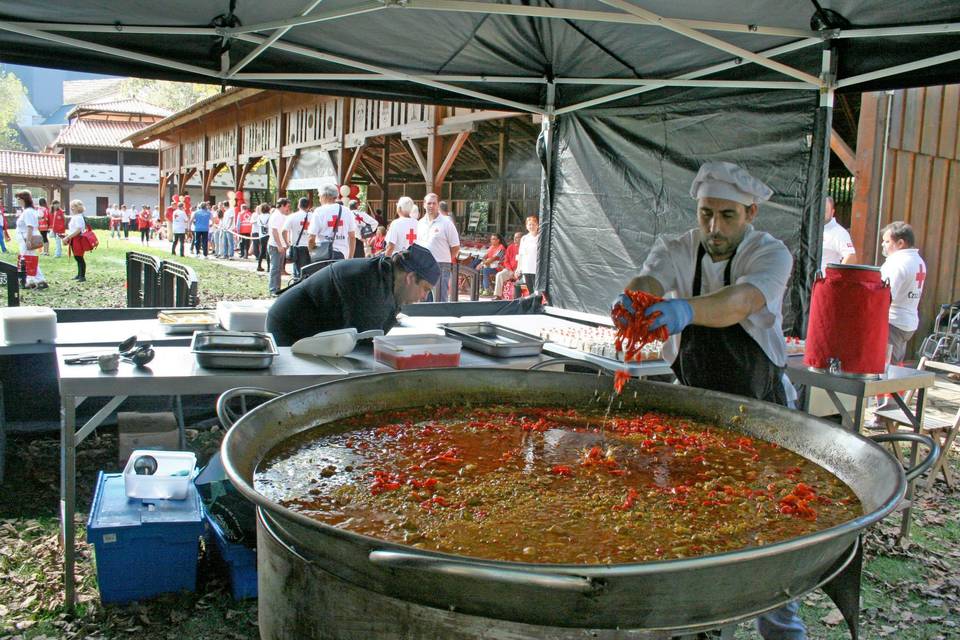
(162, 93)
(12, 94)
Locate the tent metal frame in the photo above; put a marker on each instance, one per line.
(626, 12)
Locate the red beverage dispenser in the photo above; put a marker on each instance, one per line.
(847, 332)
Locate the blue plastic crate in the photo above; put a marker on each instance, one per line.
(143, 547)
(240, 561)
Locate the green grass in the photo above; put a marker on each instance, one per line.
(106, 277)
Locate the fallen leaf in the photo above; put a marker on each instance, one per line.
(832, 619)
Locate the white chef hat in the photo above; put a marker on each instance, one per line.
(730, 182)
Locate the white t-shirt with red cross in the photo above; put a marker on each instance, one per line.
(322, 221)
(906, 271)
(294, 224)
(402, 233)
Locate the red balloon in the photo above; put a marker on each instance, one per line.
(354, 191)
(175, 199)
(186, 201)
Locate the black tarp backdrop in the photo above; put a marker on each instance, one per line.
(622, 177)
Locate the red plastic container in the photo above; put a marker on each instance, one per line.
(417, 351)
(848, 327)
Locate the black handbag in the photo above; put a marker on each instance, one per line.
(294, 250)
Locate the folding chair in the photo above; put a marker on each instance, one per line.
(944, 430)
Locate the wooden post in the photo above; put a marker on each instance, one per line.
(503, 216)
(451, 156)
(869, 159)
(384, 182)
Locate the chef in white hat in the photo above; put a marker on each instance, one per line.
(725, 282)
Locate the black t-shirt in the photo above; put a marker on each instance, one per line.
(349, 293)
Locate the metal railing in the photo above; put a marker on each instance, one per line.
(10, 279)
(152, 282)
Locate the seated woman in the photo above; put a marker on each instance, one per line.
(490, 264)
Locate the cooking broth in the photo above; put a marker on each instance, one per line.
(537, 484)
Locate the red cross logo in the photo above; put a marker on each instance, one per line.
(411, 236)
(921, 276)
(305, 223)
(334, 223)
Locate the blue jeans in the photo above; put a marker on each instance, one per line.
(441, 292)
(782, 623)
(488, 272)
(227, 243)
(3, 245)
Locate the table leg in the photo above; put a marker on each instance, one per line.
(914, 454)
(181, 427)
(68, 496)
(859, 412)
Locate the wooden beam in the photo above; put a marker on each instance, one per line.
(843, 151)
(284, 178)
(479, 116)
(384, 183)
(870, 137)
(418, 157)
(373, 179)
(450, 158)
(483, 159)
(245, 170)
(355, 156)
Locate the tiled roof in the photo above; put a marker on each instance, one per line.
(32, 165)
(101, 133)
(80, 91)
(131, 105)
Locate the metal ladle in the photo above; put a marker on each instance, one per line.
(125, 349)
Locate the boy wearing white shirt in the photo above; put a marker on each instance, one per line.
(837, 245)
(276, 244)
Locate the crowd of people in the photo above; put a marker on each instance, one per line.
(39, 224)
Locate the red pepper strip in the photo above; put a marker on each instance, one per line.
(633, 331)
(628, 501)
(562, 470)
(619, 379)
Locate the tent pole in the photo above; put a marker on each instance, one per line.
(811, 227)
(273, 37)
(900, 68)
(547, 133)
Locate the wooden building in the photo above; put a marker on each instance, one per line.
(483, 162)
(908, 168)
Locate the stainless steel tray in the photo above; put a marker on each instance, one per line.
(493, 340)
(174, 321)
(233, 349)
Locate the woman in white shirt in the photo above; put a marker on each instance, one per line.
(178, 222)
(261, 224)
(78, 225)
(30, 241)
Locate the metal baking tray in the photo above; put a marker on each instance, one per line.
(176, 321)
(493, 340)
(233, 349)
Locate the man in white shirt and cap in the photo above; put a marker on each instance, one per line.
(906, 272)
(725, 283)
(837, 246)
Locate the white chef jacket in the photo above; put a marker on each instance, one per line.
(438, 235)
(906, 271)
(761, 260)
(321, 226)
(397, 233)
(527, 255)
(836, 244)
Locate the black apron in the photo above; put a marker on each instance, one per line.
(726, 359)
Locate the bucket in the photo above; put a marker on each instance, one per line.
(29, 264)
(847, 332)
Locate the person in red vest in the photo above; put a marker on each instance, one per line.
(58, 225)
(244, 229)
(43, 222)
(144, 221)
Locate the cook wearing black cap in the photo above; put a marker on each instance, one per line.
(363, 293)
